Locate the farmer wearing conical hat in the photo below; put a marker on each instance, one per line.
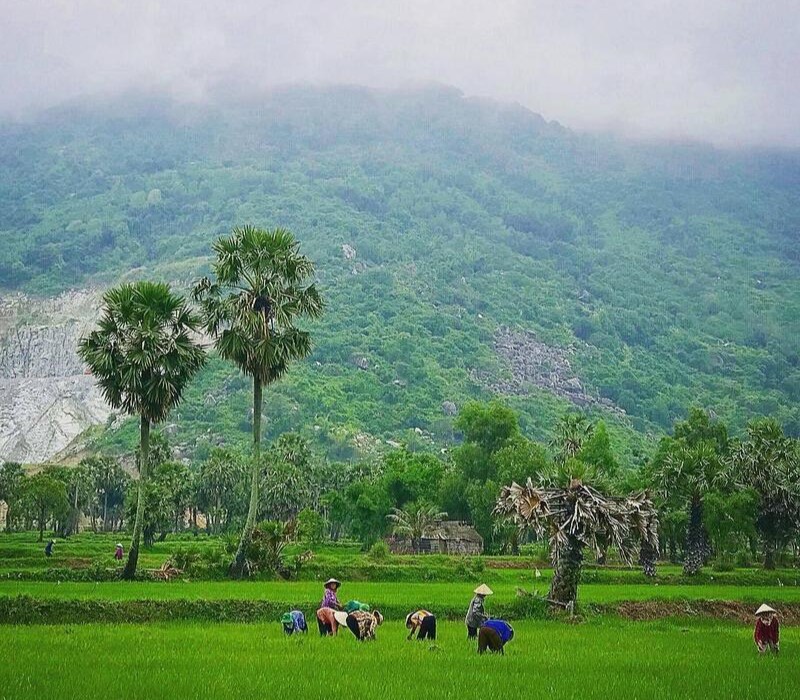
(330, 600)
(476, 614)
(767, 631)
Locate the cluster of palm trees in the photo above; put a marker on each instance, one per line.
(147, 346)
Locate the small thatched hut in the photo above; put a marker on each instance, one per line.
(447, 537)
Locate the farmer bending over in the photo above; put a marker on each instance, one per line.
(363, 624)
(476, 615)
(327, 621)
(767, 631)
(423, 623)
(494, 635)
(294, 621)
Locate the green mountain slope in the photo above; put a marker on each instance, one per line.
(651, 276)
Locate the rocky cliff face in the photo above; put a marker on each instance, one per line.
(46, 400)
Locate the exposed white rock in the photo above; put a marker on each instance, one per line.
(46, 399)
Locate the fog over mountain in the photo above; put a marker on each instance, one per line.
(716, 71)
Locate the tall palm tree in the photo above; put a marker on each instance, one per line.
(576, 517)
(688, 471)
(143, 356)
(415, 522)
(261, 286)
(768, 462)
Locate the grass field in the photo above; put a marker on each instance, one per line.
(300, 593)
(607, 658)
(603, 656)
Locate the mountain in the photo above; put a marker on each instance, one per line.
(465, 247)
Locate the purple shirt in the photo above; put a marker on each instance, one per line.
(329, 600)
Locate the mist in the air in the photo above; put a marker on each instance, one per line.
(719, 70)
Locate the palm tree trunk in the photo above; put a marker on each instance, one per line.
(567, 572)
(695, 538)
(237, 567)
(144, 459)
(647, 559)
(769, 554)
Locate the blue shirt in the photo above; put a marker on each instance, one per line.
(299, 621)
(503, 629)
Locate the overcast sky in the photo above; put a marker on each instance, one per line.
(719, 70)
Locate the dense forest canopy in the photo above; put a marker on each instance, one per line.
(665, 272)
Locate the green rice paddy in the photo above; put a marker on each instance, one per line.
(605, 658)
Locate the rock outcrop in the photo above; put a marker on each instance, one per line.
(533, 363)
(46, 399)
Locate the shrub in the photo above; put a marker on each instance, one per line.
(723, 563)
(379, 551)
(187, 559)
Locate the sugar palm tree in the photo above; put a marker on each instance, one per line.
(143, 356)
(415, 522)
(575, 517)
(261, 286)
(768, 462)
(571, 432)
(687, 472)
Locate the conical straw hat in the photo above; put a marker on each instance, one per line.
(340, 616)
(765, 609)
(483, 589)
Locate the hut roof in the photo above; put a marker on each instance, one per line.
(456, 530)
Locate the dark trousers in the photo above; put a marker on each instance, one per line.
(472, 632)
(427, 630)
(325, 629)
(352, 625)
(489, 639)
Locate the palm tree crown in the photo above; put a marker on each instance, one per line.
(261, 287)
(142, 352)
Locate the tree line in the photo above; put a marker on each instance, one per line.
(714, 495)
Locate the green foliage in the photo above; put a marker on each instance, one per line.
(142, 354)
(379, 551)
(643, 258)
(46, 497)
(312, 527)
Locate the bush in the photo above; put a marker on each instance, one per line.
(742, 559)
(379, 551)
(312, 527)
(723, 563)
(187, 559)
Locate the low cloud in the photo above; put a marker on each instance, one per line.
(718, 70)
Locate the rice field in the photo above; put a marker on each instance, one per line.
(303, 593)
(605, 658)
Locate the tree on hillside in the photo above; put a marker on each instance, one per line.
(261, 287)
(577, 516)
(415, 521)
(570, 434)
(768, 462)
(685, 468)
(143, 357)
